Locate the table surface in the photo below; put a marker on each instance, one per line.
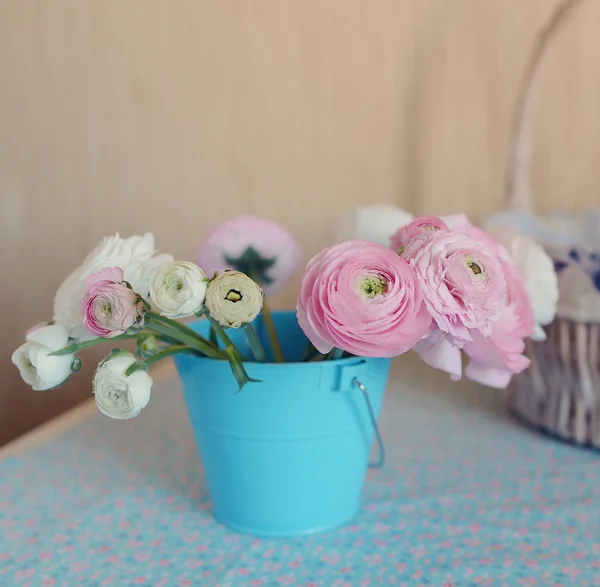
(468, 497)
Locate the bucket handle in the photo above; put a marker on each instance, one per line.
(519, 192)
(381, 458)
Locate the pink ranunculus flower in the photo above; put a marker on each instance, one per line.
(363, 298)
(262, 249)
(440, 352)
(109, 307)
(461, 224)
(419, 226)
(496, 358)
(462, 281)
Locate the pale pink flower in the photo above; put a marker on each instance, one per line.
(109, 307)
(260, 248)
(494, 359)
(440, 352)
(461, 224)
(419, 226)
(462, 281)
(465, 227)
(363, 298)
(135, 255)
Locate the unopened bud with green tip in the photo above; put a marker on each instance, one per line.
(147, 346)
(233, 299)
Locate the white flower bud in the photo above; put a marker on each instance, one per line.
(233, 299)
(35, 362)
(117, 395)
(178, 289)
(376, 223)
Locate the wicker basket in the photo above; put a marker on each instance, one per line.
(560, 392)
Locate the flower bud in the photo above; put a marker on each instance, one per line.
(178, 289)
(233, 299)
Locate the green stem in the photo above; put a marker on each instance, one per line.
(257, 348)
(212, 336)
(237, 368)
(176, 325)
(220, 333)
(272, 333)
(233, 354)
(157, 357)
(183, 334)
(335, 354)
(309, 352)
(76, 347)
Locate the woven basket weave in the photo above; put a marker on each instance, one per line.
(560, 392)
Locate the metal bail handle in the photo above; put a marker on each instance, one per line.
(381, 459)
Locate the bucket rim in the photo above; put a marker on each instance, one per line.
(306, 365)
(287, 364)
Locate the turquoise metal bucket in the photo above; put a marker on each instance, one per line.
(286, 456)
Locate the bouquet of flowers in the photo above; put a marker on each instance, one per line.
(441, 287)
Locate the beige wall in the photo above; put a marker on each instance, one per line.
(169, 116)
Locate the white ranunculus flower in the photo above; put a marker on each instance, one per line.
(377, 223)
(117, 395)
(37, 367)
(178, 289)
(134, 255)
(233, 299)
(537, 269)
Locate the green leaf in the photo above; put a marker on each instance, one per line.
(114, 352)
(183, 334)
(237, 368)
(68, 350)
(221, 334)
(137, 366)
(252, 264)
(172, 350)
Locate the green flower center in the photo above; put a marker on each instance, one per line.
(373, 285)
(103, 309)
(174, 284)
(476, 267)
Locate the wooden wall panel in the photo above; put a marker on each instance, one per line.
(170, 116)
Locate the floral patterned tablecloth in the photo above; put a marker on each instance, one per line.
(467, 498)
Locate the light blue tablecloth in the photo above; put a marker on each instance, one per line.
(467, 498)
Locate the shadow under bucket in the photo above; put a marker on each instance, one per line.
(286, 456)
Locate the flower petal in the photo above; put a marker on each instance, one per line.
(55, 336)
